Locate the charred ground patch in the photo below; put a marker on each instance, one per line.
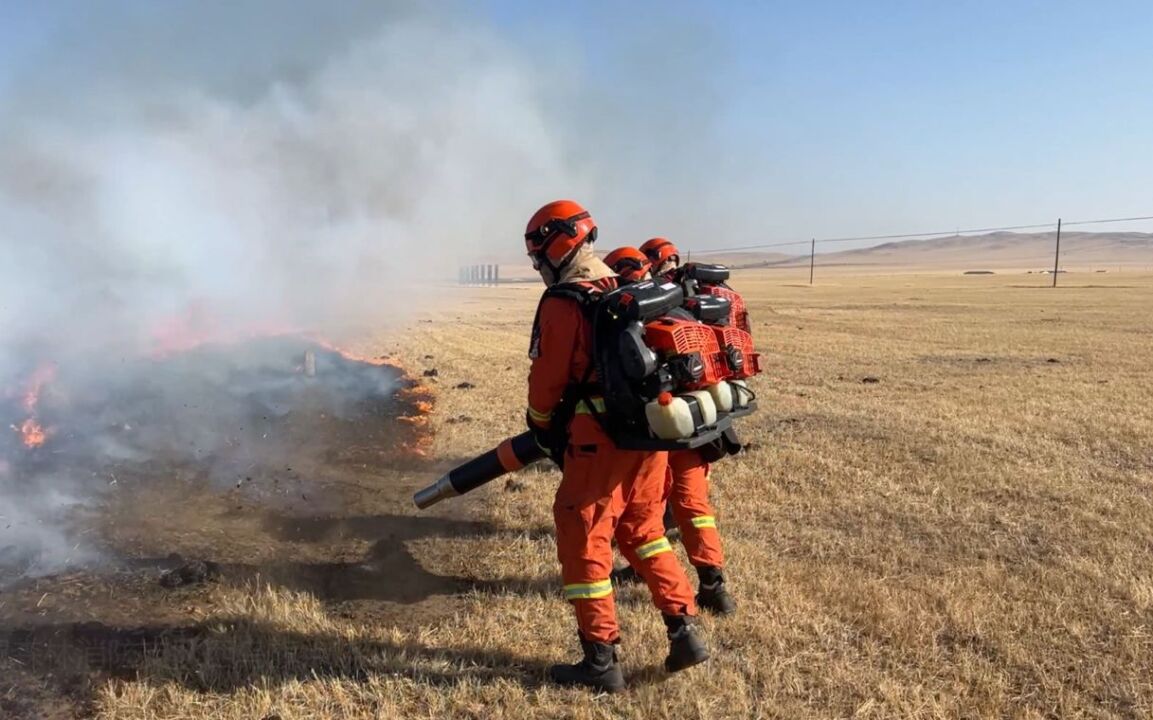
(271, 422)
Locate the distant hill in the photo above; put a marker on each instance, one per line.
(1005, 250)
(992, 251)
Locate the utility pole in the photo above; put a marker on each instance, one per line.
(1057, 253)
(812, 259)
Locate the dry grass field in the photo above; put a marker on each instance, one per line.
(967, 533)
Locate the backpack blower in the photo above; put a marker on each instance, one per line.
(657, 371)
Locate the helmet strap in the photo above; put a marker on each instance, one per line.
(565, 262)
(558, 269)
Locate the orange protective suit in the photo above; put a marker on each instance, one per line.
(689, 500)
(605, 492)
(689, 494)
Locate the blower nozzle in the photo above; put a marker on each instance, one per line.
(431, 495)
(510, 455)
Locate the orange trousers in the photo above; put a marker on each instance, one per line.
(608, 493)
(689, 500)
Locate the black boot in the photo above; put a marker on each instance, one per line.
(713, 595)
(599, 670)
(685, 647)
(672, 531)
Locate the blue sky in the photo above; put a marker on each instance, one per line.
(837, 118)
(887, 116)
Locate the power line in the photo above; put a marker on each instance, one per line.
(1110, 220)
(909, 236)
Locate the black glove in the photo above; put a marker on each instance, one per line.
(548, 439)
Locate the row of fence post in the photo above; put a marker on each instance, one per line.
(1056, 256)
(489, 275)
(480, 275)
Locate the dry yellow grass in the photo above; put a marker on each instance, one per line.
(969, 536)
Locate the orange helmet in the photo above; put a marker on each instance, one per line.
(630, 263)
(555, 231)
(659, 250)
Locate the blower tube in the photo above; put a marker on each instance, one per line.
(510, 455)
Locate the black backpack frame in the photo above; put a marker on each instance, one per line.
(616, 317)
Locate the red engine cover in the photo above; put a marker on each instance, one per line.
(670, 336)
(738, 315)
(742, 342)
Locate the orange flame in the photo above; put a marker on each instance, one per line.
(32, 433)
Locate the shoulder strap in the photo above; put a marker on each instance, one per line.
(584, 293)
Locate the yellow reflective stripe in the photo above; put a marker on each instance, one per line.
(539, 416)
(656, 547)
(588, 591)
(583, 409)
(705, 521)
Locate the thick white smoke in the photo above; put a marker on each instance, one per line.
(314, 196)
(277, 165)
(296, 203)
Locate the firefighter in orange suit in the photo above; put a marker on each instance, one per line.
(605, 492)
(631, 264)
(634, 266)
(689, 494)
(664, 257)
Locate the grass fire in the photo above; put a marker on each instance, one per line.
(660, 360)
(261, 415)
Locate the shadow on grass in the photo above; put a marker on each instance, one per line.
(229, 655)
(388, 573)
(225, 656)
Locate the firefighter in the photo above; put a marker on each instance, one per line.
(605, 492)
(689, 493)
(664, 257)
(631, 264)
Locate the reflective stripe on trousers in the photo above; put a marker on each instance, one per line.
(656, 547)
(588, 591)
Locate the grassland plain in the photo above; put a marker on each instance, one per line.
(945, 510)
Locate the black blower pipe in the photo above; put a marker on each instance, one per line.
(510, 455)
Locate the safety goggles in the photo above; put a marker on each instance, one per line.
(630, 264)
(545, 232)
(654, 253)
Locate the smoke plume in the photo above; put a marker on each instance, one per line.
(271, 166)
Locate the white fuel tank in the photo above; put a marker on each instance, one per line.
(671, 417)
(722, 394)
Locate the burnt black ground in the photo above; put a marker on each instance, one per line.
(225, 458)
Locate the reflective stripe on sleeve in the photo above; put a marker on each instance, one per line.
(539, 417)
